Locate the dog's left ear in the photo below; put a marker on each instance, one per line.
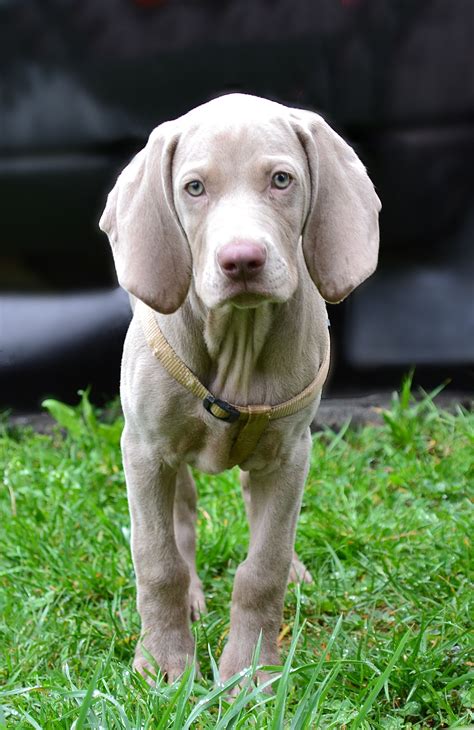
(341, 232)
(151, 253)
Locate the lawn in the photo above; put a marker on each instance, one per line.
(380, 640)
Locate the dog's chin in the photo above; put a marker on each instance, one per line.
(251, 296)
(249, 300)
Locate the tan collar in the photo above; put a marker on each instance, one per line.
(253, 418)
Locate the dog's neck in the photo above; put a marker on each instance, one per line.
(261, 355)
(235, 339)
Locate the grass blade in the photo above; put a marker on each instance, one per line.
(282, 692)
(298, 719)
(184, 692)
(380, 681)
(88, 697)
(320, 696)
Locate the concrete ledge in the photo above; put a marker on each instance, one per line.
(333, 412)
(363, 410)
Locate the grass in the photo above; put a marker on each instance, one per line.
(380, 640)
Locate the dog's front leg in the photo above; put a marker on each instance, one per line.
(299, 573)
(260, 581)
(161, 572)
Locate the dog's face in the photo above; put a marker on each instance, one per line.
(241, 194)
(226, 194)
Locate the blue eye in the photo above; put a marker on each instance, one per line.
(195, 188)
(281, 180)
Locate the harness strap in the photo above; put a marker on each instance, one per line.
(254, 418)
(253, 425)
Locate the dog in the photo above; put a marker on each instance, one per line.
(229, 230)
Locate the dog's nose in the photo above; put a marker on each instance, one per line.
(241, 260)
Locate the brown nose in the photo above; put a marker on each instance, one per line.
(241, 260)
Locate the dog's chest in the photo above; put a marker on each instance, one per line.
(209, 445)
(185, 432)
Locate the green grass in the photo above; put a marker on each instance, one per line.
(380, 640)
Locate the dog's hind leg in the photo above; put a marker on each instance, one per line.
(185, 532)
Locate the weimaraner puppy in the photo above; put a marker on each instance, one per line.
(229, 229)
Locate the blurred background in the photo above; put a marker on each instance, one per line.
(83, 83)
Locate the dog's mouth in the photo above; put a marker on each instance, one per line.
(248, 299)
(243, 294)
(248, 294)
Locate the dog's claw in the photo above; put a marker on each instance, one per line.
(197, 602)
(299, 573)
(171, 669)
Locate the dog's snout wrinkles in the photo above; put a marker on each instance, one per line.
(241, 260)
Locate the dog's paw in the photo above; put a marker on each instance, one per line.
(171, 666)
(260, 679)
(299, 573)
(237, 659)
(197, 602)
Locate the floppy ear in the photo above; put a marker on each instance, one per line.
(151, 254)
(341, 232)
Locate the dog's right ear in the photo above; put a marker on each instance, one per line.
(151, 253)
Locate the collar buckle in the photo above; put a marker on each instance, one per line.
(213, 405)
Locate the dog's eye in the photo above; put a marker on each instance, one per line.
(195, 188)
(281, 180)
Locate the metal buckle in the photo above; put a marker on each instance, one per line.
(232, 413)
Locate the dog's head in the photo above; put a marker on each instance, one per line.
(226, 192)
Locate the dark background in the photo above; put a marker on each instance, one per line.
(83, 84)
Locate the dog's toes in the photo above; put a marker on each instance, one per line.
(233, 693)
(197, 602)
(171, 669)
(299, 573)
(143, 667)
(259, 679)
(236, 660)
